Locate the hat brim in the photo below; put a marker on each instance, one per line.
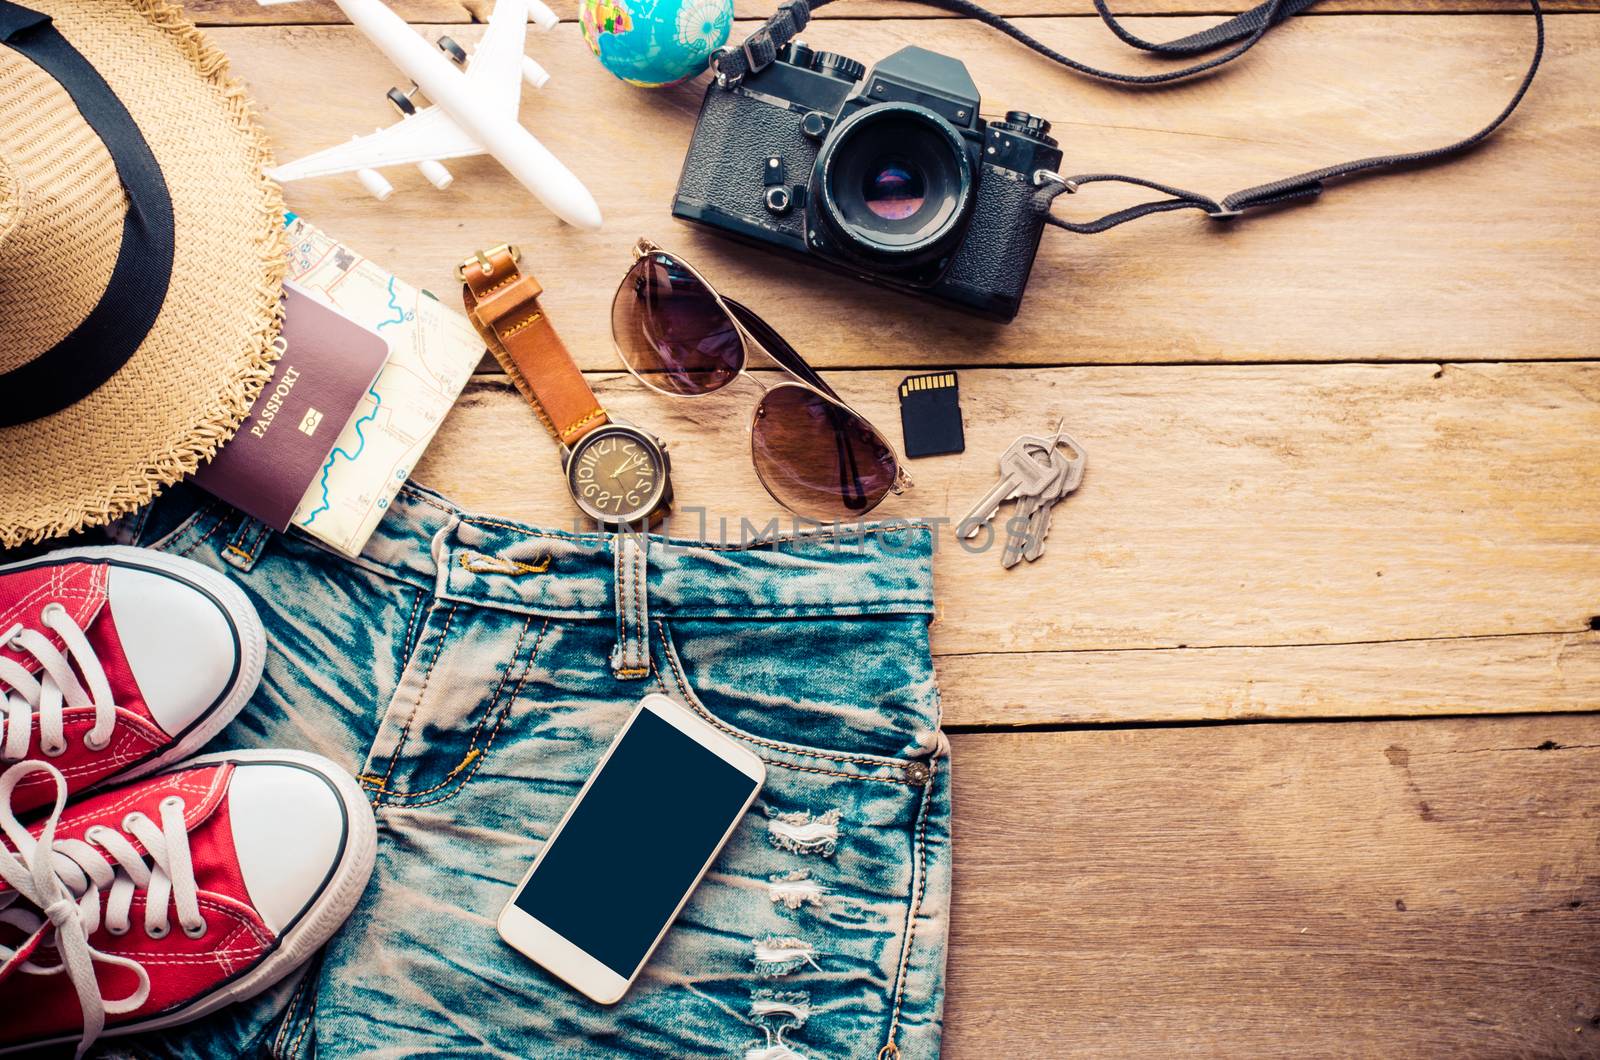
(195, 376)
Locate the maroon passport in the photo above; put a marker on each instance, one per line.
(329, 362)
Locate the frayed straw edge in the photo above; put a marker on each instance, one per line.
(224, 417)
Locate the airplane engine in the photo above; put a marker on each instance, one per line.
(437, 175)
(456, 52)
(543, 17)
(376, 185)
(536, 75)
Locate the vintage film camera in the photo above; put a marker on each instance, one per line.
(886, 174)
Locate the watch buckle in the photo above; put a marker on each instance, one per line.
(480, 260)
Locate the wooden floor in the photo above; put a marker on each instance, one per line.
(1287, 746)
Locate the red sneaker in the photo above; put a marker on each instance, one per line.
(256, 857)
(115, 662)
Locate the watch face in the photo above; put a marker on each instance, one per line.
(617, 474)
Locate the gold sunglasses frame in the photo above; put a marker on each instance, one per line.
(642, 249)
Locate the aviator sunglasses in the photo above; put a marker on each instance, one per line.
(814, 454)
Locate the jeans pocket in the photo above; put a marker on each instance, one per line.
(854, 688)
(465, 672)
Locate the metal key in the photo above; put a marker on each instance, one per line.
(1022, 472)
(1030, 501)
(1020, 527)
(1033, 512)
(1070, 479)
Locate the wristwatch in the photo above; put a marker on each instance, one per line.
(619, 475)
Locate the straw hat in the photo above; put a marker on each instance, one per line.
(141, 261)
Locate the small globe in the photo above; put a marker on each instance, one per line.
(651, 43)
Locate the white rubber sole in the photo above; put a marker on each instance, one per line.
(246, 623)
(315, 925)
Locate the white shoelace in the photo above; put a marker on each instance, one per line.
(26, 697)
(63, 881)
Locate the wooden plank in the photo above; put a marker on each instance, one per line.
(1223, 506)
(1488, 258)
(325, 12)
(1407, 889)
(1463, 675)
(316, 12)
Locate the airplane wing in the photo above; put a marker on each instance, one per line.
(495, 70)
(429, 134)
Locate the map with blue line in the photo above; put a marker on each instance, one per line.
(432, 353)
(339, 451)
(394, 304)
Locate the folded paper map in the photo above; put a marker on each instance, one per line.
(432, 353)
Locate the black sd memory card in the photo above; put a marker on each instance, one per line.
(930, 414)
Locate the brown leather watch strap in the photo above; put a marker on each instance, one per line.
(502, 301)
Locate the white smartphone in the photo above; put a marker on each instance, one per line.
(631, 849)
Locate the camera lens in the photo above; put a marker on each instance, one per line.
(893, 190)
(896, 183)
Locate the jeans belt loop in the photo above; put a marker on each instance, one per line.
(630, 658)
(130, 528)
(244, 547)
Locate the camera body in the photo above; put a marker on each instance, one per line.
(887, 174)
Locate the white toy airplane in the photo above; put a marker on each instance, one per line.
(472, 111)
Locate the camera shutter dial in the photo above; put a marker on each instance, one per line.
(1025, 124)
(835, 65)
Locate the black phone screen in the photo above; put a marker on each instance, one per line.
(634, 844)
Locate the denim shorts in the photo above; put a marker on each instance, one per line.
(471, 670)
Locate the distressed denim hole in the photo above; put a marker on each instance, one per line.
(802, 832)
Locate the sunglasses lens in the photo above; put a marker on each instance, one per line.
(817, 458)
(672, 331)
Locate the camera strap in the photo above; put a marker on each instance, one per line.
(1237, 35)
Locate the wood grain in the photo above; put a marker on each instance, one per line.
(1224, 506)
(1453, 675)
(1378, 889)
(325, 12)
(1253, 541)
(1358, 276)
